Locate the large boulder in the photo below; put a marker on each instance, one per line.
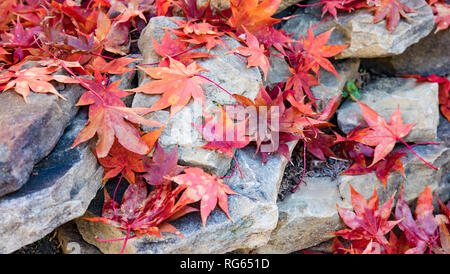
(225, 69)
(60, 189)
(30, 130)
(254, 212)
(418, 104)
(429, 56)
(307, 216)
(365, 39)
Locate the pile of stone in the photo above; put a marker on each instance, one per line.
(45, 184)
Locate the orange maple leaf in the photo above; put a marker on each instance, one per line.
(177, 84)
(108, 117)
(34, 79)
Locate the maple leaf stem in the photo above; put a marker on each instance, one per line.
(115, 190)
(230, 49)
(10, 70)
(417, 144)
(417, 155)
(211, 81)
(304, 168)
(126, 239)
(237, 164)
(326, 18)
(231, 175)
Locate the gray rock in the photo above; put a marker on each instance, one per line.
(308, 215)
(72, 242)
(428, 56)
(418, 104)
(254, 214)
(366, 40)
(305, 217)
(330, 85)
(60, 189)
(278, 70)
(225, 69)
(31, 130)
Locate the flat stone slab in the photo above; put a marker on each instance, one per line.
(60, 189)
(418, 104)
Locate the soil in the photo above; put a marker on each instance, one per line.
(47, 245)
(332, 167)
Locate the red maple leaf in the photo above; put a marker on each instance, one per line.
(367, 222)
(143, 214)
(383, 135)
(255, 53)
(203, 187)
(162, 165)
(382, 168)
(421, 233)
(391, 10)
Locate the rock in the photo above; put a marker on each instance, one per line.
(366, 40)
(278, 70)
(60, 189)
(72, 242)
(428, 56)
(418, 104)
(225, 4)
(330, 85)
(305, 217)
(308, 215)
(31, 130)
(225, 69)
(254, 214)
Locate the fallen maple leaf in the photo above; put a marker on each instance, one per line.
(383, 135)
(143, 214)
(317, 51)
(177, 84)
(421, 233)
(203, 187)
(391, 10)
(367, 222)
(255, 53)
(162, 165)
(108, 117)
(34, 79)
(176, 49)
(255, 16)
(120, 160)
